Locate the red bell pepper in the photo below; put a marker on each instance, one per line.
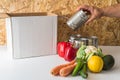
(70, 53)
(66, 51)
(61, 48)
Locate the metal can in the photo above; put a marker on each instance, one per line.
(77, 43)
(93, 40)
(84, 41)
(77, 40)
(73, 37)
(78, 19)
(81, 41)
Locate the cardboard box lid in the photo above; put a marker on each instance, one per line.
(6, 15)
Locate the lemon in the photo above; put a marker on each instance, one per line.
(95, 63)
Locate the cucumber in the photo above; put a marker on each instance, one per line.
(83, 71)
(77, 68)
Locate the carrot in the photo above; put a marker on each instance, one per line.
(55, 71)
(65, 71)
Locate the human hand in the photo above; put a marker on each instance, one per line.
(94, 11)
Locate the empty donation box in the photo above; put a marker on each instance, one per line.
(31, 34)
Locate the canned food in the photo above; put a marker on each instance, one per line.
(93, 40)
(80, 41)
(90, 41)
(77, 43)
(77, 40)
(84, 41)
(73, 37)
(78, 19)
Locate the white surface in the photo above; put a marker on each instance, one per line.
(29, 36)
(38, 68)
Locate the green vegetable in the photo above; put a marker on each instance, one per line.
(81, 52)
(81, 58)
(77, 68)
(83, 47)
(108, 62)
(99, 52)
(89, 56)
(83, 71)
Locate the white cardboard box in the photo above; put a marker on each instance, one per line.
(31, 34)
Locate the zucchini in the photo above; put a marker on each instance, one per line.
(77, 68)
(83, 71)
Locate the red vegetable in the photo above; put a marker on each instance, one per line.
(70, 53)
(61, 48)
(66, 51)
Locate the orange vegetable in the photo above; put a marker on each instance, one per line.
(55, 71)
(65, 71)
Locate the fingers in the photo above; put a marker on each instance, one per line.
(90, 19)
(90, 9)
(95, 12)
(84, 7)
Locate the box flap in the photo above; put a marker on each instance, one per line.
(5, 15)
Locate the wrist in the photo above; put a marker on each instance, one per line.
(102, 12)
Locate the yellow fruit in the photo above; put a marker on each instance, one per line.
(95, 64)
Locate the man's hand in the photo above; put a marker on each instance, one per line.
(95, 12)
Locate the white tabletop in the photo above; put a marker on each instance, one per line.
(38, 68)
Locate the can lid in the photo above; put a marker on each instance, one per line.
(75, 36)
(82, 12)
(83, 38)
(94, 37)
(72, 37)
(78, 35)
(77, 40)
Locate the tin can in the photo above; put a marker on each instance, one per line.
(77, 43)
(81, 41)
(84, 41)
(93, 40)
(78, 19)
(73, 37)
(77, 40)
